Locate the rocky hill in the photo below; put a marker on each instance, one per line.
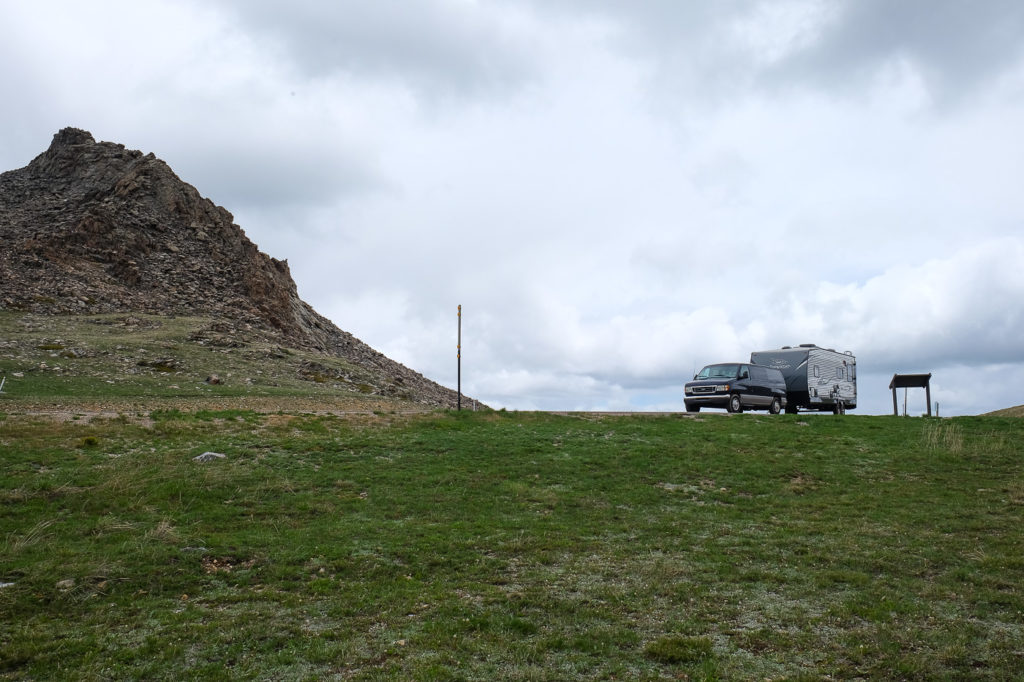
(90, 228)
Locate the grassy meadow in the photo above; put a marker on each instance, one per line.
(513, 546)
(146, 360)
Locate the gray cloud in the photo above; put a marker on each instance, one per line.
(956, 47)
(435, 48)
(719, 50)
(279, 178)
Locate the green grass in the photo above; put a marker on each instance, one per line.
(510, 546)
(116, 357)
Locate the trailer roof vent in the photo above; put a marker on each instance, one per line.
(807, 345)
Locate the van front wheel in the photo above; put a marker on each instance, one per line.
(776, 406)
(735, 404)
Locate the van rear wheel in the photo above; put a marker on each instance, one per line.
(735, 404)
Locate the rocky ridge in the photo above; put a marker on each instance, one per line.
(92, 227)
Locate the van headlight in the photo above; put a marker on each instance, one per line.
(722, 388)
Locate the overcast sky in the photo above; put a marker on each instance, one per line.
(617, 193)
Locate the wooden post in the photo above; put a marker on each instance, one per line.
(459, 354)
(895, 405)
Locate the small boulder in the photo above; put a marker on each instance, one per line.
(208, 457)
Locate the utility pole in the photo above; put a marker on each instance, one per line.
(459, 355)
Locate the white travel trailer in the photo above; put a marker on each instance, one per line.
(816, 378)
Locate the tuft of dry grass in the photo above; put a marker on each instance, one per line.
(164, 531)
(17, 542)
(943, 435)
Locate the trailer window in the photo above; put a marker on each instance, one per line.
(816, 375)
(839, 372)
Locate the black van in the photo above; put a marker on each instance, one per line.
(736, 386)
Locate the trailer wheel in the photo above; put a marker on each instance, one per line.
(775, 407)
(735, 404)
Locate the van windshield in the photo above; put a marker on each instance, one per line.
(719, 372)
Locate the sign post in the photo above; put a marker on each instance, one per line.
(459, 355)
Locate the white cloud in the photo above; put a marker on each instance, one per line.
(965, 309)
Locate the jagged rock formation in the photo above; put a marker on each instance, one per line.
(91, 227)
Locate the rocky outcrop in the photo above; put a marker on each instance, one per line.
(92, 227)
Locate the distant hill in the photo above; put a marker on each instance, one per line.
(92, 228)
(1008, 412)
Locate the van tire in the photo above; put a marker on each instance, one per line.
(735, 405)
(775, 407)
